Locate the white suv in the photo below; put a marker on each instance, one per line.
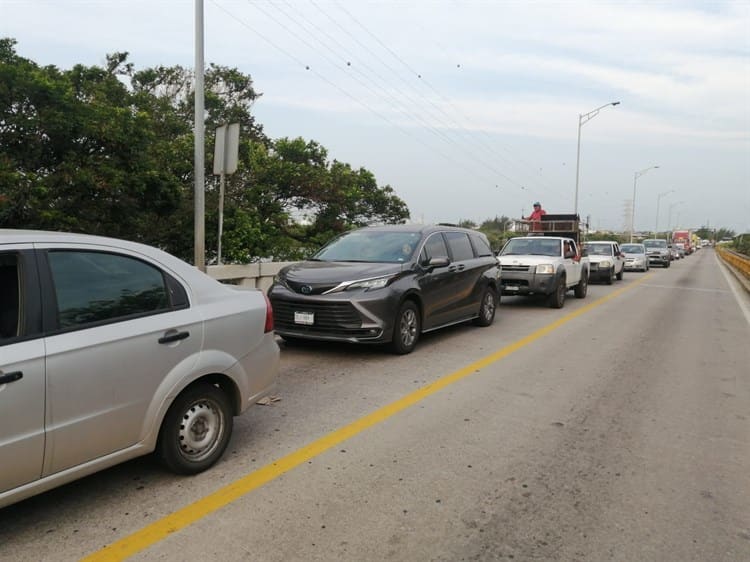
(607, 261)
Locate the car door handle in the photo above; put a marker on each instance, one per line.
(173, 336)
(457, 267)
(10, 377)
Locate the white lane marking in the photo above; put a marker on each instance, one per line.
(733, 285)
(686, 288)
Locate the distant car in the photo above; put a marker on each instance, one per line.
(607, 261)
(388, 284)
(110, 350)
(658, 252)
(635, 257)
(680, 249)
(673, 252)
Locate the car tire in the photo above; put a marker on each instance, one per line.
(406, 329)
(583, 285)
(196, 430)
(557, 298)
(619, 275)
(610, 277)
(487, 308)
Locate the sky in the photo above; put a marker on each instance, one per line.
(469, 109)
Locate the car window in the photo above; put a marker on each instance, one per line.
(481, 246)
(435, 247)
(460, 247)
(93, 287)
(10, 291)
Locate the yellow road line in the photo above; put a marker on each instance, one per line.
(159, 530)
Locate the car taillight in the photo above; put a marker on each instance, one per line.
(269, 315)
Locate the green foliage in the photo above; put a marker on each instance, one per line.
(610, 236)
(741, 244)
(496, 230)
(109, 150)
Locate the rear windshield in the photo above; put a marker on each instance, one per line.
(374, 246)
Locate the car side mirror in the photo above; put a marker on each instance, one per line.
(437, 262)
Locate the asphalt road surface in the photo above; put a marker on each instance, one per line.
(617, 428)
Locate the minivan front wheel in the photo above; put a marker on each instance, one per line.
(487, 308)
(406, 329)
(196, 429)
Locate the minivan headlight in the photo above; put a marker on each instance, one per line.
(545, 268)
(369, 284)
(366, 284)
(605, 263)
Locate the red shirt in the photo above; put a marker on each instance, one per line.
(537, 215)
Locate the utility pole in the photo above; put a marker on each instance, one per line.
(199, 147)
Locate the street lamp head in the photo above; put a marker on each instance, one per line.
(615, 103)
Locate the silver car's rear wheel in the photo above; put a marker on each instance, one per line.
(196, 429)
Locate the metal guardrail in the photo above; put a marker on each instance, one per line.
(740, 262)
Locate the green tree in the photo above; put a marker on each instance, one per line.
(109, 150)
(76, 154)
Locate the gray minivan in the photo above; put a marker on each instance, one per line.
(388, 284)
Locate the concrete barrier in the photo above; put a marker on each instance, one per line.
(738, 264)
(258, 275)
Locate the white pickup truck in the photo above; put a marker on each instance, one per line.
(544, 265)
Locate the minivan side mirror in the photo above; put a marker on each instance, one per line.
(437, 262)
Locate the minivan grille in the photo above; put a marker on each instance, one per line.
(328, 315)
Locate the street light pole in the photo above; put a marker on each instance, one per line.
(658, 199)
(632, 209)
(199, 147)
(584, 118)
(669, 215)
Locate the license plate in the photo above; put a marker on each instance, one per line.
(306, 318)
(511, 288)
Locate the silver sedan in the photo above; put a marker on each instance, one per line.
(635, 257)
(110, 350)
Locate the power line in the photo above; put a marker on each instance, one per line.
(307, 67)
(376, 86)
(422, 79)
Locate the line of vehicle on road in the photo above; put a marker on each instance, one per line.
(110, 349)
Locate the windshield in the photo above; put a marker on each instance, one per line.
(631, 248)
(533, 247)
(599, 249)
(655, 243)
(371, 246)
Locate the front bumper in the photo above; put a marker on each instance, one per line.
(527, 282)
(596, 273)
(361, 317)
(636, 264)
(658, 259)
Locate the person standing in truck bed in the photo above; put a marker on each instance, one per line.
(536, 217)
